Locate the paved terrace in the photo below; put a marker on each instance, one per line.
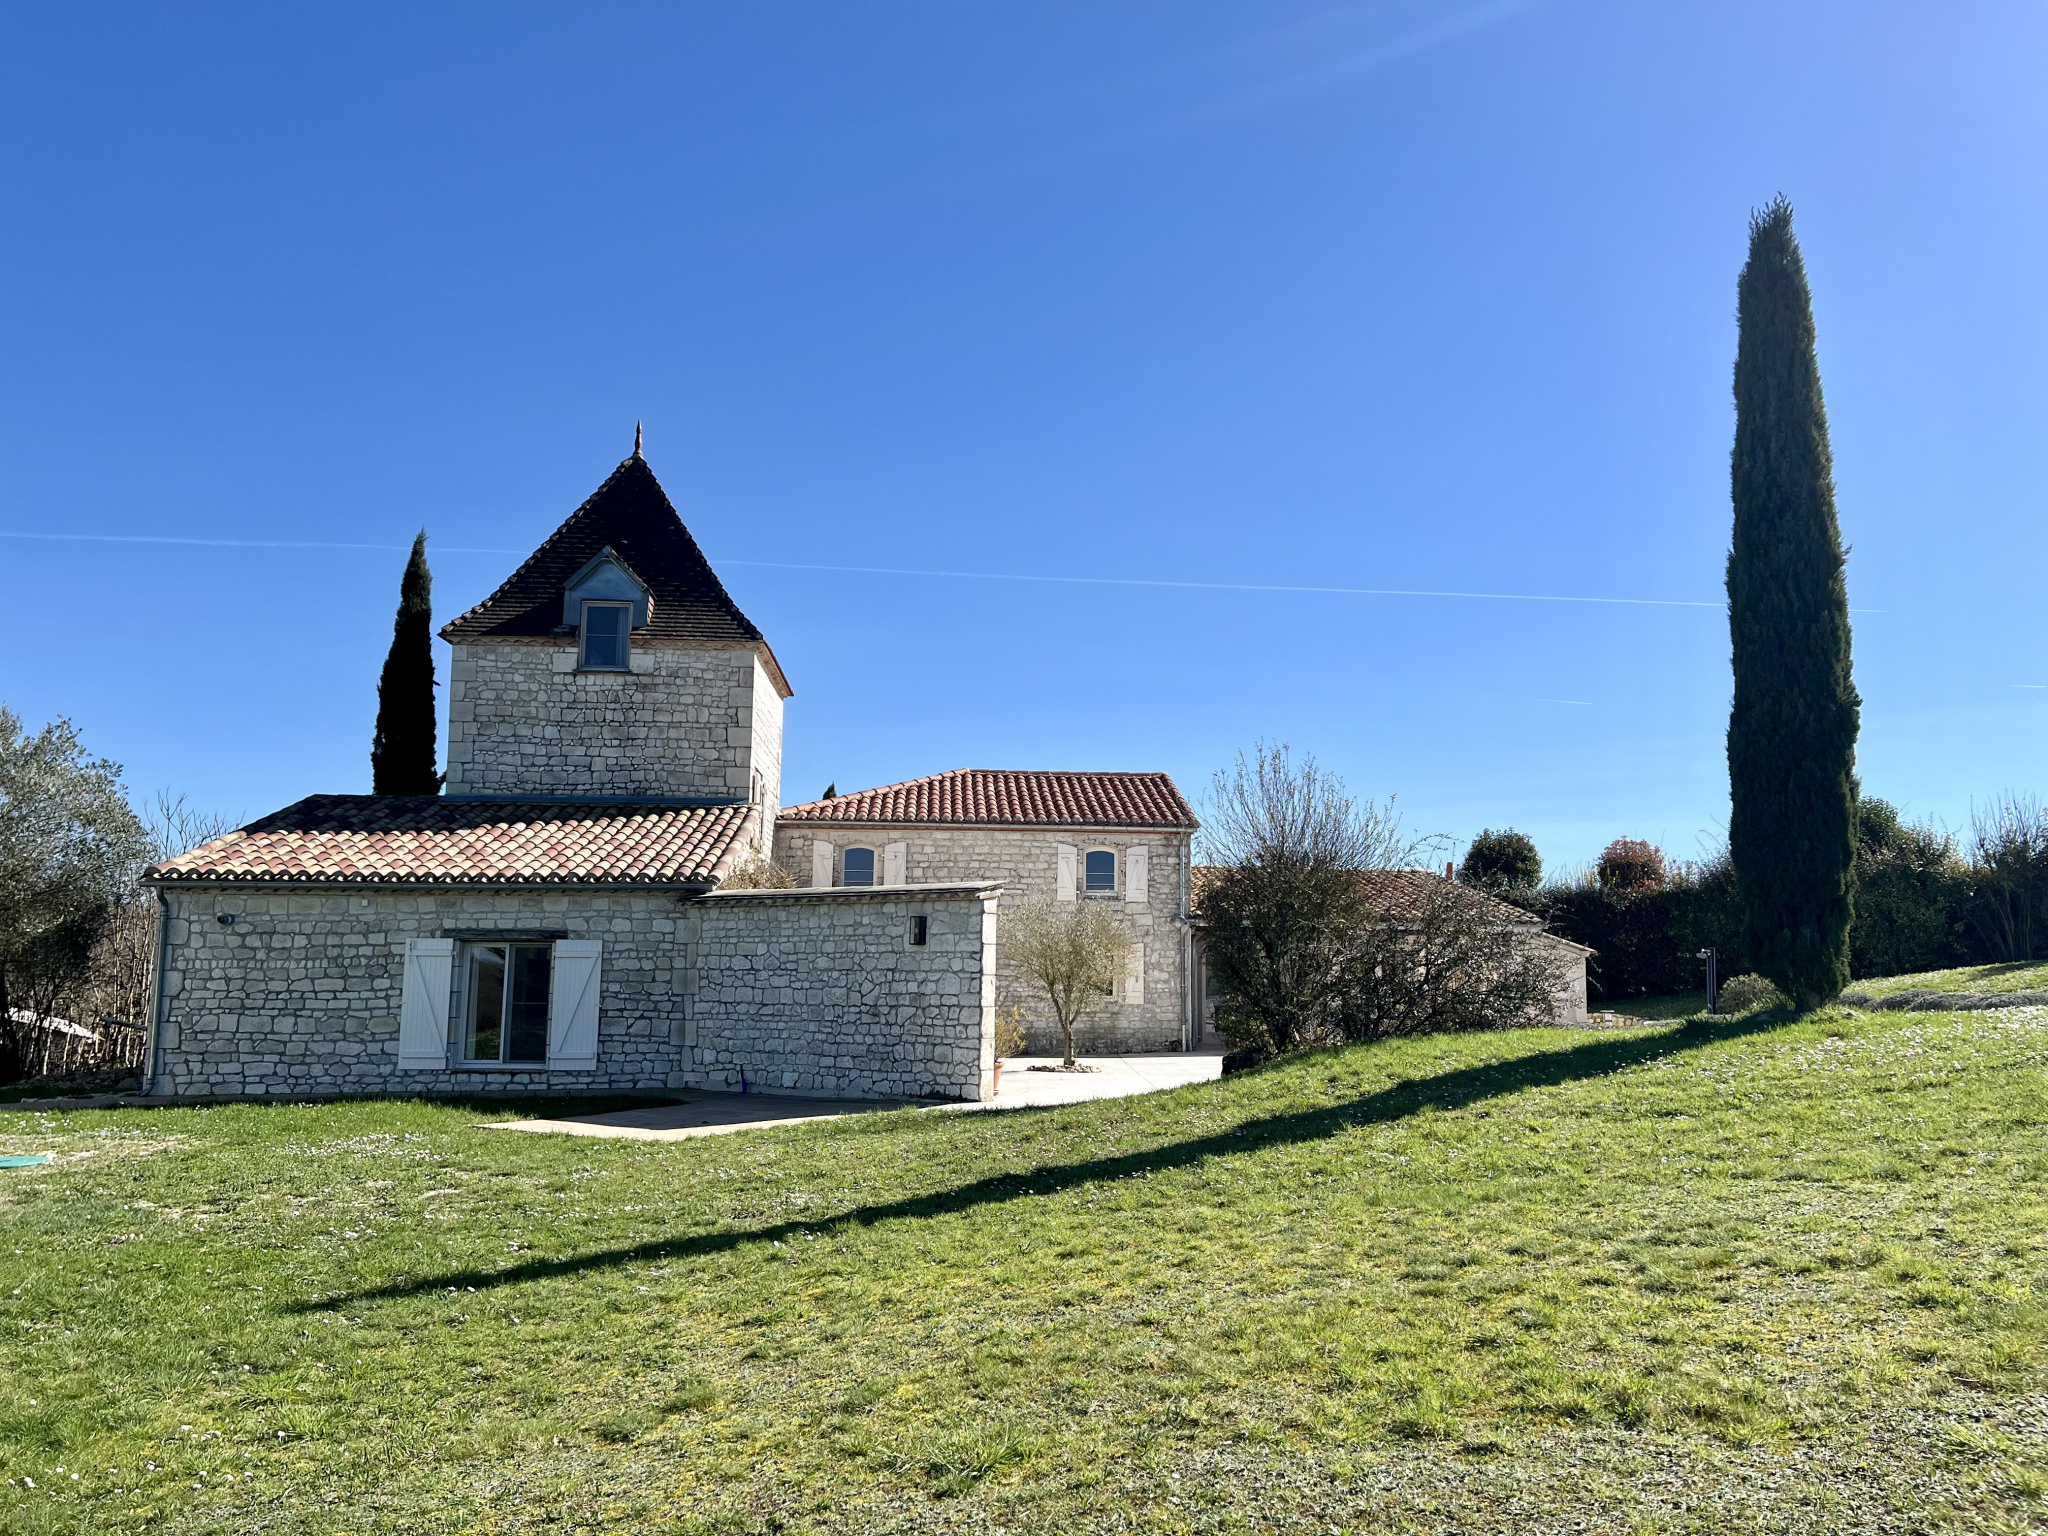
(714, 1114)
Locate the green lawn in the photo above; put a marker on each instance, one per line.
(1695, 1279)
(2013, 976)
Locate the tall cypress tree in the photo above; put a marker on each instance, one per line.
(1792, 732)
(402, 756)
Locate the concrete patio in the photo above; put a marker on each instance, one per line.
(715, 1114)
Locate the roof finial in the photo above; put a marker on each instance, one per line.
(636, 439)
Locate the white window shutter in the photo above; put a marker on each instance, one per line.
(423, 1004)
(1063, 890)
(572, 1005)
(821, 863)
(1137, 872)
(896, 864)
(1134, 975)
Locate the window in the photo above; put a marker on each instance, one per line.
(857, 867)
(505, 1002)
(606, 628)
(1100, 878)
(920, 930)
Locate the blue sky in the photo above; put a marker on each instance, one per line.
(1233, 300)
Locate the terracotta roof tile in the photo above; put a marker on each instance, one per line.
(422, 839)
(1001, 797)
(1402, 891)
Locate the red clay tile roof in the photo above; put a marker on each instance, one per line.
(424, 840)
(632, 515)
(1397, 890)
(1002, 797)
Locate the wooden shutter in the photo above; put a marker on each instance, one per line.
(572, 1005)
(1137, 874)
(1063, 889)
(423, 1004)
(896, 864)
(1134, 975)
(821, 863)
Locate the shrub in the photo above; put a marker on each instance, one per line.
(1746, 994)
(1009, 1033)
(757, 872)
(1912, 896)
(1502, 861)
(1646, 942)
(2008, 908)
(1629, 867)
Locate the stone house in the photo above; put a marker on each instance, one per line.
(1122, 838)
(554, 921)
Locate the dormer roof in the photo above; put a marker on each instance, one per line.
(632, 516)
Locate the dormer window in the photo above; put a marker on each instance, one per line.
(606, 630)
(603, 604)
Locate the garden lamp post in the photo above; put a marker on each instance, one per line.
(1712, 957)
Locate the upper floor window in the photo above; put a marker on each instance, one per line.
(1099, 876)
(857, 866)
(606, 628)
(505, 1002)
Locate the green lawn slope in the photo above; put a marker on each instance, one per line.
(1712, 1277)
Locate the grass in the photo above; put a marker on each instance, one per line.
(2011, 976)
(1658, 1010)
(1718, 1277)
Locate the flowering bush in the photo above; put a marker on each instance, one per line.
(1628, 867)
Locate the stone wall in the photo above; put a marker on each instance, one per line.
(687, 721)
(822, 992)
(1026, 863)
(300, 995)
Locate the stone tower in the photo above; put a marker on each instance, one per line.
(613, 665)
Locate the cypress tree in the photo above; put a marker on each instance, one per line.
(1792, 731)
(402, 755)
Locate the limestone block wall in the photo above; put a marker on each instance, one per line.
(822, 992)
(687, 721)
(300, 995)
(1025, 861)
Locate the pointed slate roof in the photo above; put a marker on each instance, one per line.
(632, 515)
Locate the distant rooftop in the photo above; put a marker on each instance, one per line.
(1005, 797)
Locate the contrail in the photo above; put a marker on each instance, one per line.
(892, 570)
(152, 538)
(1230, 586)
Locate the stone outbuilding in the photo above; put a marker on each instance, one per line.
(1402, 891)
(1125, 839)
(559, 918)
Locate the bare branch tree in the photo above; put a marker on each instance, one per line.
(756, 872)
(1070, 953)
(1286, 918)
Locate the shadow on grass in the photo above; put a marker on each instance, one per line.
(1446, 1091)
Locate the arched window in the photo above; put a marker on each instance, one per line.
(857, 866)
(1100, 876)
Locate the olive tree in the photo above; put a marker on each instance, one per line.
(70, 849)
(1070, 953)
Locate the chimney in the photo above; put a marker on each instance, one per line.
(1450, 870)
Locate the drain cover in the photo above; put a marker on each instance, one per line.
(30, 1160)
